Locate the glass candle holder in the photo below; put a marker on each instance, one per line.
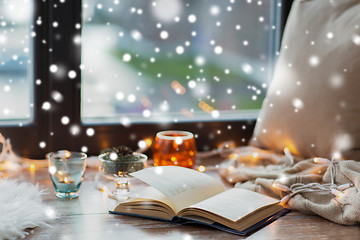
(118, 169)
(67, 171)
(174, 148)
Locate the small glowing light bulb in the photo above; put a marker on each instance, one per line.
(67, 154)
(201, 168)
(287, 151)
(101, 187)
(336, 156)
(288, 154)
(344, 186)
(233, 156)
(230, 169)
(284, 200)
(32, 167)
(280, 187)
(148, 142)
(321, 160)
(337, 193)
(104, 189)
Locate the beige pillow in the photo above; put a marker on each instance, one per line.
(313, 103)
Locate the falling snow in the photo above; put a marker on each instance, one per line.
(356, 39)
(214, 10)
(330, 35)
(46, 106)
(314, 61)
(298, 103)
(56, 96)
(179, 50)
(126, 57)
(192, 18)
(164, 34)
(218, 49)
(90, 132)
(133, 51)
(42, 144)
(65, 120)
(75, 130)
(72, 74)
(53, 68)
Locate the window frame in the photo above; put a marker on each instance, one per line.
(47, 125)
(26, 138)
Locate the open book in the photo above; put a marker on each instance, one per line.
(183, 195)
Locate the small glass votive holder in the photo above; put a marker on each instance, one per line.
(118, 169)
(67, 171)
(174, 148)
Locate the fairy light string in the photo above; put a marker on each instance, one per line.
(226, 149)
(336, 190)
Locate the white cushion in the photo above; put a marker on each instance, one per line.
(313, 103)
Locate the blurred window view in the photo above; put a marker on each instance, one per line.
(16, 85)
(175, 60)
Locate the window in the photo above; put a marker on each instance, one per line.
(175, 60)
(15, 61)
(71, 98)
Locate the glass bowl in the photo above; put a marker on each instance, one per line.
(118, 169)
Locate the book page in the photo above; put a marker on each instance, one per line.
(182, 186)
(150, 193)
(235, 203)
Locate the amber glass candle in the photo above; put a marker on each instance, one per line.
(174, 148)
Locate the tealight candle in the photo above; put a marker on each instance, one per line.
(67, 172)
(174, 148)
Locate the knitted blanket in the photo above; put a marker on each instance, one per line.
(328, 188)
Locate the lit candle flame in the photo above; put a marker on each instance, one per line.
(66, 180)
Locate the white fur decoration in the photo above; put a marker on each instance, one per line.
(21, 207)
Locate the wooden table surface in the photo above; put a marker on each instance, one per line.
(87, 217)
